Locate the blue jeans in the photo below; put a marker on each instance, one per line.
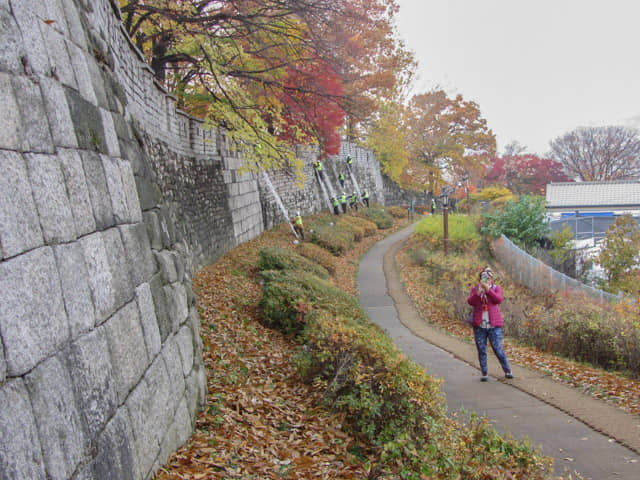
(495, 339)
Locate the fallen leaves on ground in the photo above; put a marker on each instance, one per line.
(259, 421)
(611, 387)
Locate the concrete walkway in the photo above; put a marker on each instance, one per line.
(574, 445)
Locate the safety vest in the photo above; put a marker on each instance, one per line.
(299, 220)
(319, 166)
(335, 202)
(341, 176)
(354, 198)
(349, 159)
(343, 199)
(366, 194)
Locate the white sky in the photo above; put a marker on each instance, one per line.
(537, 68)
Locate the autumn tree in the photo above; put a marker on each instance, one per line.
(524, 174)
(619, 255)
(514, 148)
(273, 73)
(599, 153)
(388, 140)
(449, 135)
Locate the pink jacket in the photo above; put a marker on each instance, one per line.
(494, 298)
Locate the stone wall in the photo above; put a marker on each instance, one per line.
(110, 200)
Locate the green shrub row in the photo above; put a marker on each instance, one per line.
(318, 255)
(276, 258)
(378, 215)
(386, 399)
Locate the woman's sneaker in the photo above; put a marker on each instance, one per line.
(508, 375)
(484, 378)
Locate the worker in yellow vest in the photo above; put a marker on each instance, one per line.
(297, 225)
(336, 206)
(343, 201)
(354, 201)
(365, 198)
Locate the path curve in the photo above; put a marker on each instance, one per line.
(575, 429)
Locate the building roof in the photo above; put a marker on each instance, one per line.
(593, 196)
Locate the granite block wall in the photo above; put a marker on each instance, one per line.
(110, 200)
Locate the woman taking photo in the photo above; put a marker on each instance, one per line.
(485, 299)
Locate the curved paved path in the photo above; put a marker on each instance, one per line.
(574, 445)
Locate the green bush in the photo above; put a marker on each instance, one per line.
(463, 235)
(369, 227)
(288, 295)
(357, 231)
(337, 240)
(276, 258)
(398, 212)
(378, 215)
(318, 254)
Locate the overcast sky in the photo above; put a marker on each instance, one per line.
(537, 68)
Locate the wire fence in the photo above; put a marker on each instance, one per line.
(538, 276)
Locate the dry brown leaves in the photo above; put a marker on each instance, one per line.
(616, 389)
(259, 421)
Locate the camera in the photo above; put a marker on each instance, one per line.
(484, 277)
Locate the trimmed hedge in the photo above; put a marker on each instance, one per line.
(276, 258)
(318, 254)
(378, 215)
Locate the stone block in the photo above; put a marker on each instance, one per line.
(76, 292)
(58, 113)
(180, 265)
(19, 223)
(29, 16)
(167, 266)
(140, 258)
(101, 279)
(11, 47)
(115, 450)
(184, 339)
(11, 131)
(33, 323)
(111, 139)
(86, 121)
(119, 266)
(78, 191)
(154, 230)
(35, 126)
(150, 414)
(3, 365)
(127, 347)
(59, 60)
(79, 62)
(97, 80)
(116, 189)
(148, 320)
(98, 191)
(50, 195)
(178, 433)
(89, 364)
(60, 425)
(130, 191)
(171, 355)
(177, 306)
(20, 451)
(165, 324)
(76, 31)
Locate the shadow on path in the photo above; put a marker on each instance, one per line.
(551, 415)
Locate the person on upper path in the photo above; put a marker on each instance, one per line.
(433, 206)
(485, 298)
